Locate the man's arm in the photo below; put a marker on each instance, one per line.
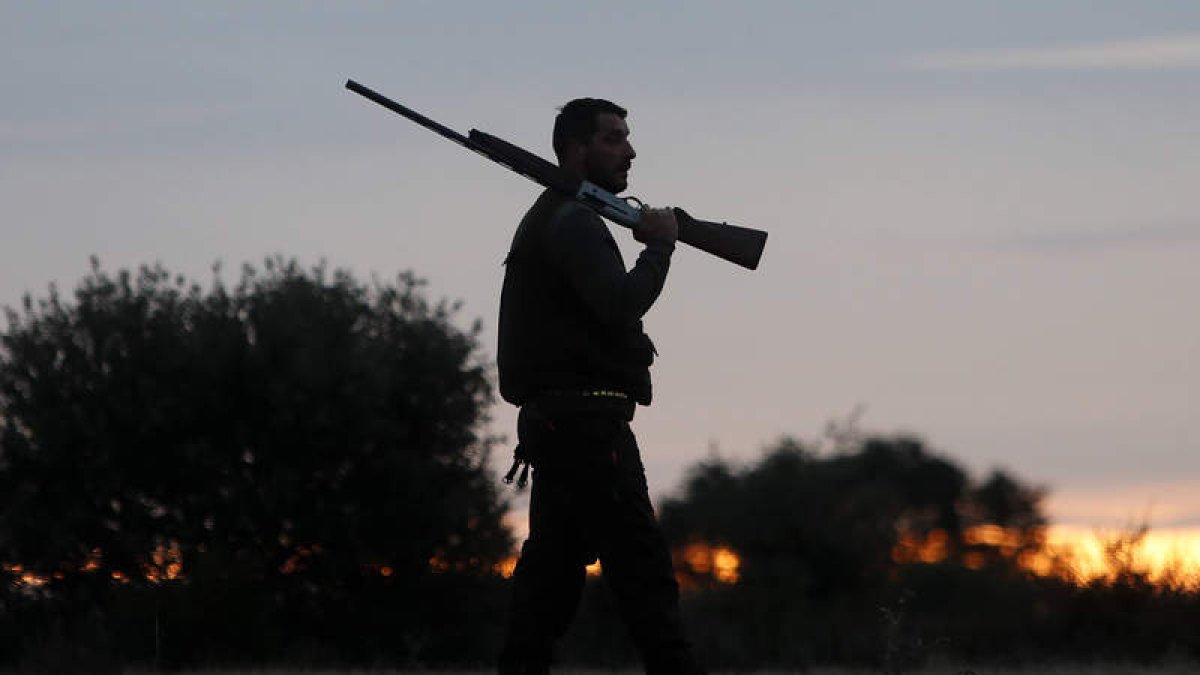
(589, 258)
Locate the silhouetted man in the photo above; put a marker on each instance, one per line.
(573, 356)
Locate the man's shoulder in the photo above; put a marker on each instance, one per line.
(571, 218)
(571, 214)
(557, 222)
(552, 207)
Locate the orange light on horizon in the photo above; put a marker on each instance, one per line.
(298, 560)
(720, 563)
(1003, 538)
(1081, 554)
(932, 547)
(1163, 556)
(506, 567)
(166, 563)
(25, 577)
(440, 564)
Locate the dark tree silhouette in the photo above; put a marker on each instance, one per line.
(301, 429)
(822, 539)
(835, 517)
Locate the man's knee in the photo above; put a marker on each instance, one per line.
(562, 557)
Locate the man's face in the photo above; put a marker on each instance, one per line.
(608, 156)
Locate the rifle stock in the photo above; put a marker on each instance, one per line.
(738, 245)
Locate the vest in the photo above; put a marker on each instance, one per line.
(548, 339)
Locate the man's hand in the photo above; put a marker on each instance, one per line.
(656, 225)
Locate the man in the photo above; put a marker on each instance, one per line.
(573, 356)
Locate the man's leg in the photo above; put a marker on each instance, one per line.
(546, 589)
(637, 566)
(548, 580)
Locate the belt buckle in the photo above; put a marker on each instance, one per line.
(606, 393)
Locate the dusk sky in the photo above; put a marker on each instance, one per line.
(984, 217)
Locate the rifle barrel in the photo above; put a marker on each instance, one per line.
(439, 129)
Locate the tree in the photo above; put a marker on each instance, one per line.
(836, 518)
(826, 539)
(302, 431)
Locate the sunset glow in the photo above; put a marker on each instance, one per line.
(1080, 554)
(699, 559)
(25, 577)
(507, 566)
(1166, 556)
(166, 563)
(718, 562)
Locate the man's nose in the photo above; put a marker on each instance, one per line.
(629, 151)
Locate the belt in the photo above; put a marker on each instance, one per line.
(584, 400)
(585, 393)
(552, 401)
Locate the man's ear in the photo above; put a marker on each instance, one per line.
(573, 154)
(576, 151)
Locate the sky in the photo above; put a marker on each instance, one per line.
(984, 217)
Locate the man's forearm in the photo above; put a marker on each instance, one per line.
(649, 272)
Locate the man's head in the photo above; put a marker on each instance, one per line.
(591, 140)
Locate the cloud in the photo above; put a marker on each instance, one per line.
(1152, 53)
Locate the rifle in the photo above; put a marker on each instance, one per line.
(739, 245)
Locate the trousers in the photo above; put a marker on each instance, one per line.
(590, 501)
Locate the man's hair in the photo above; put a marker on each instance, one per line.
(576, 121)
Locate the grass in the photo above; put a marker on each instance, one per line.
(1063, 669)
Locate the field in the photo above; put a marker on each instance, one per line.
(1091, 669)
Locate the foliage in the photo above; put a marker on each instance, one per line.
(284, 447)
(833, 522)
(881, 552)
